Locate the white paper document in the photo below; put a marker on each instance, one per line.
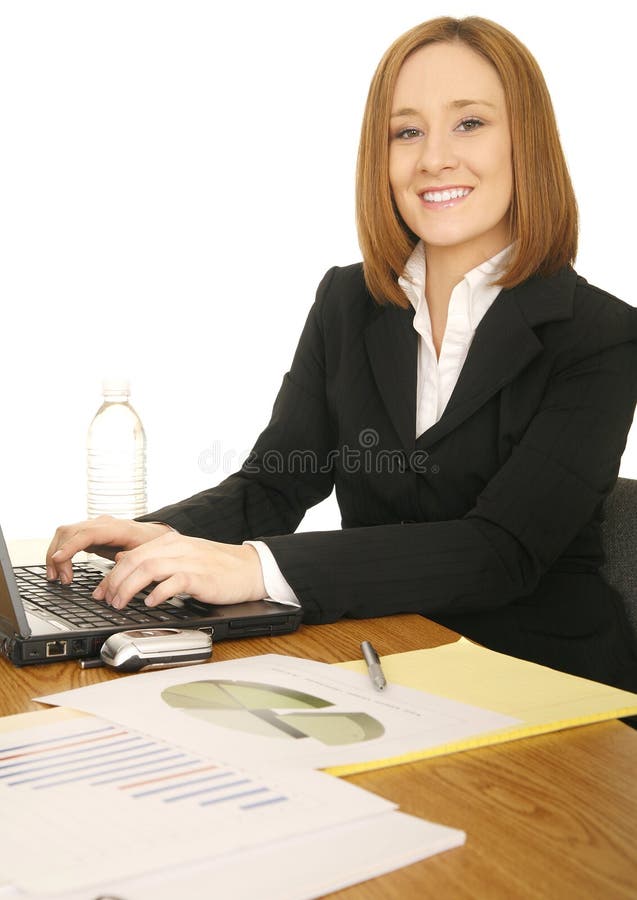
(89, 800)
(282, 711)
(94, 808)
(300, 868)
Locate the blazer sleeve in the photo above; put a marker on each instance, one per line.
(289, 469)
(522, 521)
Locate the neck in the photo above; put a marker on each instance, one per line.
(447, 266)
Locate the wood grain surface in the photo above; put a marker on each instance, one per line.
(550, 817)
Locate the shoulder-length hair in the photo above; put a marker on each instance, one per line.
(543, 213)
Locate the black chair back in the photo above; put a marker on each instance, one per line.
(619, 537)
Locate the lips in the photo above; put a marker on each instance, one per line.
(445, 195)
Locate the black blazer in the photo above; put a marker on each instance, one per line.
(489, 522)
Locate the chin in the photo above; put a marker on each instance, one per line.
(446, 240)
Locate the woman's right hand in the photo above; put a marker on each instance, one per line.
(104, 535)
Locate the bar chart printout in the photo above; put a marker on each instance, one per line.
(80, 786)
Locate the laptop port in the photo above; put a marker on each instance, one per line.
(55, 648)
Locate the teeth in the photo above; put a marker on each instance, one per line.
(441, 196)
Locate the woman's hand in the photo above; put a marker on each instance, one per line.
(104, 535)
(211, 572)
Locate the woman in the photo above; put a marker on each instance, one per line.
(467, 393)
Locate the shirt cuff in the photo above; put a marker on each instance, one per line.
(275, 584)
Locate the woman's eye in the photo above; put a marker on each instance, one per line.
(406, 133)
(470, 124)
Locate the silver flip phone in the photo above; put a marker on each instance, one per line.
(156, 648)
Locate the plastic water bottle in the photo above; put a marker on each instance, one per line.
(116, 456)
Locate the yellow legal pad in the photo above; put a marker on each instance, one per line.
(544, 699)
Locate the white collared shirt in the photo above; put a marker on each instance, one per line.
(437, 377)
(469, 301)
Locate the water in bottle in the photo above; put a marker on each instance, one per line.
(116, 456)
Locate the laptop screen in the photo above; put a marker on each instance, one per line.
(13, 618)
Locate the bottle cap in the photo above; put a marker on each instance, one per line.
(115, 385)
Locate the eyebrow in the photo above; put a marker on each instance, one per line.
(454, 104)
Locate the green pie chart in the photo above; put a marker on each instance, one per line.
(270, 711)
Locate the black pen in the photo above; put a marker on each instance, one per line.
(373, 666)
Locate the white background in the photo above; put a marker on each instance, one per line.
(176, 176)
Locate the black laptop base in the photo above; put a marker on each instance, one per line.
(247, 620)
(67, 623)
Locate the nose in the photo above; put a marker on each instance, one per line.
(437, 152)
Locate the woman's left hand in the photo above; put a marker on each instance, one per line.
(212, 572)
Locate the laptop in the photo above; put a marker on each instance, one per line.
(43, 621)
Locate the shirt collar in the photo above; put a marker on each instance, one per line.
(412, 281)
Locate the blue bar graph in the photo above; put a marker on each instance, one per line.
(140, 767)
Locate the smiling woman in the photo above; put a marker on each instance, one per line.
(492, 83)
(465, 391)
(450, 171)
(450, 158)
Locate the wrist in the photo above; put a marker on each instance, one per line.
(257, 590)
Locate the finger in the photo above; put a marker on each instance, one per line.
(126, 562)
(62, 534)
(60, 565)
(103, 536)
(175, 584)
(120, 591)
(107, 588)
(83, 538)
(51, 568)
(168, 545)
(100, 591)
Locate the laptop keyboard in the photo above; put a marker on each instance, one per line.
(74, 606)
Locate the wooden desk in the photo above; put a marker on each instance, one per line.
(547, 817)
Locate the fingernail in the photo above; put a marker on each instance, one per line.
(116, 602)
(97, 594)
(50, 574)
(56, 554)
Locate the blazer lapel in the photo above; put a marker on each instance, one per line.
(504, 344)
(392, 347)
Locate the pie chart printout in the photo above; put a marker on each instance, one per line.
(271, 711)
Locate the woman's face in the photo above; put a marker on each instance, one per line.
(450, 151)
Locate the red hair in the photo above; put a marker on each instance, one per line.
(543, 217)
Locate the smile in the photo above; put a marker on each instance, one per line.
(445, 196)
